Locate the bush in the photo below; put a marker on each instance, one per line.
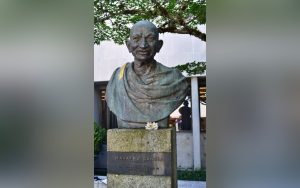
(99, 137)
(197, 175)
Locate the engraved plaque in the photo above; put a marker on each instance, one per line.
(139, 163)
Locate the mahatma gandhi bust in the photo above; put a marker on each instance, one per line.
(145, 90)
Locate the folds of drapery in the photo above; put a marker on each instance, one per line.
(148, 98)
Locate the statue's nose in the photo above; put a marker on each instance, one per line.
(143, 43)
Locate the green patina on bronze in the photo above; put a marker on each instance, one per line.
(145, 90)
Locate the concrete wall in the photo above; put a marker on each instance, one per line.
(185, 156)
(184, 149)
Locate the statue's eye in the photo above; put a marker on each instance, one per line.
(136, 39)
(150, 38)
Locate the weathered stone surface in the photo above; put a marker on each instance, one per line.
(140, 163)
(123, 181)
(140, 158)
(139, 140)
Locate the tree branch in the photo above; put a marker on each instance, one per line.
(189, 31)
(179, 21)
(169, 22)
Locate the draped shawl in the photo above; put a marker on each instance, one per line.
(148, 99)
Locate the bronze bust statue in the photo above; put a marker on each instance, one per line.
(145, 90)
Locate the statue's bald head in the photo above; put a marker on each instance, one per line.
(143, 42)
(146, 24)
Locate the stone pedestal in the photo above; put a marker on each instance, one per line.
(139, 158)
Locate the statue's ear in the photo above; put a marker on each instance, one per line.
(159, 45)
(128, 46)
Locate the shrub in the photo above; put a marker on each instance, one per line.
(99, 137)
(197, 175)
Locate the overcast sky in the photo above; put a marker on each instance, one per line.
(177, 49)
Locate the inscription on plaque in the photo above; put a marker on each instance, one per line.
(139, 163)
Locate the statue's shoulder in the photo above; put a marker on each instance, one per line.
(120, 71)
(164, 68)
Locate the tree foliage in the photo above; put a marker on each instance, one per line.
(192, 68)
(113, 19)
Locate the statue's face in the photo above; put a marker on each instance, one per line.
(144, 43)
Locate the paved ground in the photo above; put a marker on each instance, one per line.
(101, 183)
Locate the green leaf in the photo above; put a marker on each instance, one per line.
(112, 18)
(192, 68)
(171, 5)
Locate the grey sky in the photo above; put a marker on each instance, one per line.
(177, 49)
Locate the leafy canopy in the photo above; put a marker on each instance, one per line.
(192, 68)
(113, 19)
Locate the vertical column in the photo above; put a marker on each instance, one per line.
(108, 119)
(97, 107)
(196, 122)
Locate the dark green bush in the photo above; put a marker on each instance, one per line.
(99, 137)
(197, 175)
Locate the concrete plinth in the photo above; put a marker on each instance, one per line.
(139, 158)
